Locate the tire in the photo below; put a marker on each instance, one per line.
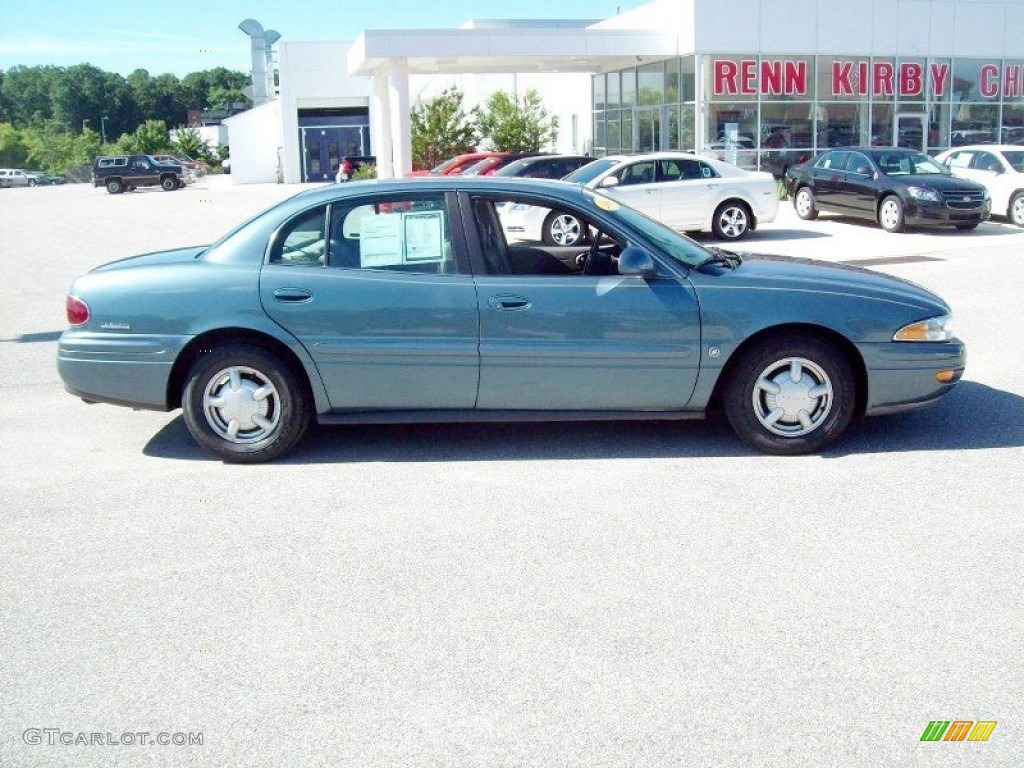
(1016, 210)
(31, 182)
(803, 202)
(115, 186)
(817, 406)
(732, 220)
(563, 229)
(890, 214)
(968, 226)
(283, 412)
(168, 183)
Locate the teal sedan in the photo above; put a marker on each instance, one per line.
(406, 301)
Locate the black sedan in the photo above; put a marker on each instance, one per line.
(895, 187)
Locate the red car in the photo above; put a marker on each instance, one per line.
(457, 164)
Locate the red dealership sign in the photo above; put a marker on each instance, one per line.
(789, 77)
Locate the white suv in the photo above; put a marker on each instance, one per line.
(999, 168)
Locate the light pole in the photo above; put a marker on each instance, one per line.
(103, 128)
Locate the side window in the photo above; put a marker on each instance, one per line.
(637, 173)
(671, 170)
(397, 234)
(986, 161)
(860, 164)
(835, 161)
(960, 159)
(301, 241)
(707, 172)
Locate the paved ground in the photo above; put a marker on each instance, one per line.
(547, 595)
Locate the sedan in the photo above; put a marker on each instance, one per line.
(401, 301)
(1000, 169)
(686, 192)
(893, 186)
(456, 165)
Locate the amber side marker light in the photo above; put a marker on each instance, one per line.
(945, 377)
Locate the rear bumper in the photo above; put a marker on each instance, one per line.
(902, 375)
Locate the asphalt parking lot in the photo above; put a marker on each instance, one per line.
(506, 595)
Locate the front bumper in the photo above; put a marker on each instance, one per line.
(902, 375)
(923, 213)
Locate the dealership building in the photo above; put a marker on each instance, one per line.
(757, 82)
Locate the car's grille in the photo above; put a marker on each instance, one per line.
(961, 199)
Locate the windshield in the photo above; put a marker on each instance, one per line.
(669, 242)
(590, 171)
(438, 170)
(1015, 159)
(477, 168)
(907, 163)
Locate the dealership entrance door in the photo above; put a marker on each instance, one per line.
(910, 131)
(327, 135)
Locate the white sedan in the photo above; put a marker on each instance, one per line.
(999, 168)
(684, 191)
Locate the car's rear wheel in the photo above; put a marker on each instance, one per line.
(804, 204)
(114, 186)
(244, 405)
(561, 228)
(731, 221)
(890, 214)
(168, 183)
(31, 182)
(1016, 211)
(790, 395)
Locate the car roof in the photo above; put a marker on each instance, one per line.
(652, 156)
(989, 147)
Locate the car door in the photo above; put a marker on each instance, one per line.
(557, 339)
(371, 285)
(988, 170)
(637, 187)
(829, 181)
(688, 191)
(857, 186)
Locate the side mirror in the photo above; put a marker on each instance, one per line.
(609, 181)
(636, 261)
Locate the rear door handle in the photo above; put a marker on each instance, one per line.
(293, 295)
(508, 302)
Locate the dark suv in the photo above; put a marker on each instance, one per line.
(126, 172)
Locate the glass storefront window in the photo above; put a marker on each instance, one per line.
(731, 129)
(1013, 124)
(614, 93)
(672, 127)
(967, 79)
(613, 132)
(843, 78)
(881, 125)
(629, 88)
(730, 78)
(651, 80)
(839, 124)
(672, 81)
(885, 81)
(627, 130)
(940, 79)
(600, 135)
(1013, 81)
(598, 92)
(688, 128)
(974, 124)
(688, 76)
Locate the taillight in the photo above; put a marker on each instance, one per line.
(78, 311)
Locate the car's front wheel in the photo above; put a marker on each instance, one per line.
(890, 214)
(804, 204)
(731, 221)
(790, 395)
(1016, 211)
(244, 405)
(561, 228)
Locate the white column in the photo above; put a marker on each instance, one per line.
(380, 126)
(401, 135)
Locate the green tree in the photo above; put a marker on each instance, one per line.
(13, 149)
(188, 141)
(440, 129)
(150, 137)
(50, 146)
(516, 125)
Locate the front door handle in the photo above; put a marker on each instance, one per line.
(293, 295)
(508, 302)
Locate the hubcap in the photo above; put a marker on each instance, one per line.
(792, 397)
(565, 229)
(890, 214)
(1017, 214)
(803, 203)
(733, 222)
(241, 405)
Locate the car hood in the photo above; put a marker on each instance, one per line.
(157, 257)
(789, 273)
(938, 182)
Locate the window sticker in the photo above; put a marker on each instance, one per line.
(380, 241)
(423, 236)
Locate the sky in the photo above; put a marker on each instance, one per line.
(182, 36)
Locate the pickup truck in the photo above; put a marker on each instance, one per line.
(119, 173)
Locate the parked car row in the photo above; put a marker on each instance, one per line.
(20, 177)
(898, 187)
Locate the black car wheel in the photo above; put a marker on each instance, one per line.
(731, 221)
(243, 405)
(169, 183)
(890, 214)
(804, 204)
(791, 395)
(1016, 211)
(561, 228)
(31, 182)
(114, 186)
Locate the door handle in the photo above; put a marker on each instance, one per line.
(509, 303)
(651, 190)
(293, 295)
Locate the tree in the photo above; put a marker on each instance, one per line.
(440, 129)
(150, 137)
(13, 150)
(513, 125)
(188, 141)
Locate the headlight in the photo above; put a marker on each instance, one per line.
(923, 193)
(932, 329)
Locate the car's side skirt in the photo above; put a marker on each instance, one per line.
(462, 416)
